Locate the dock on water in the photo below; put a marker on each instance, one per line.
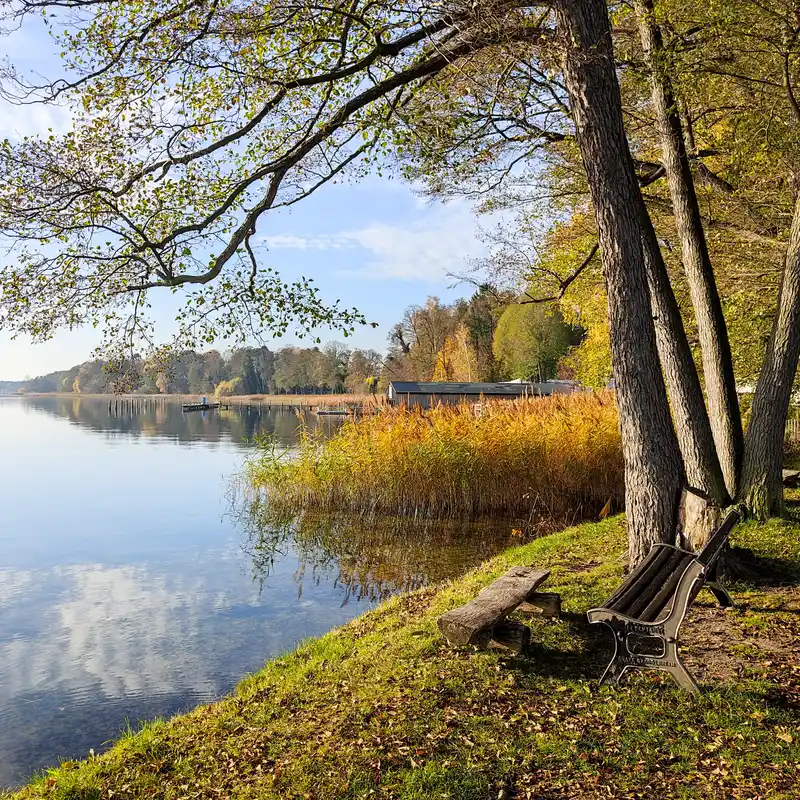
(203, 406)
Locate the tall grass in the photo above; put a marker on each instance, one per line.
(549, 456)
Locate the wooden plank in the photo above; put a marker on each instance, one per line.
(548, 604)
(791, 477)
(632, 586)
(666, 594)
(654, 587)
(464, 625)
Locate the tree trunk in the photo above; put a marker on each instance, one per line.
(762, 485)
(696, 441)
(723, 403)
(653, 469)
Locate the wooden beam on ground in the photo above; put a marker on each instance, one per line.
(465, 625)
(548, 604)
(791, 477)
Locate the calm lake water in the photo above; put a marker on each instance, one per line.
(134, 584)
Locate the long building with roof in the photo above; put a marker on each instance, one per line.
(429, 393)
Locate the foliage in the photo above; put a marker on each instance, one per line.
(253, 370)
(531, 339)
(438, 342)
(226, 388)
(548, 456)
(384, 708)
(456, 361)
(190, 123)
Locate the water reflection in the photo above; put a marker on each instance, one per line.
(371, 557)
(125, 590)
(86, 648)
(164, 418)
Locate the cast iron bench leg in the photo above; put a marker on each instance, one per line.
(666, 632)
(672, 663)
(720, 593)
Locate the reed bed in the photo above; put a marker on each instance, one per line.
(552, 456)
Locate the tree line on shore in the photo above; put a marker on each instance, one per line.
(333, 368)
(487, 337)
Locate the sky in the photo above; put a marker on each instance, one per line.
(377, 245)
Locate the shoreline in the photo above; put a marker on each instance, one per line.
(238, 399)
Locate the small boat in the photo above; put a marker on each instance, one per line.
(334, 412)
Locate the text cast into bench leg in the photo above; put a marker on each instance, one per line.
(624, 660)
(620, 661)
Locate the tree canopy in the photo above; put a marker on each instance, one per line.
(662, 137)
(192, 120)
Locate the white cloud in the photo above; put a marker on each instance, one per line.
(441, 240)
(288, 242)
(33, 119)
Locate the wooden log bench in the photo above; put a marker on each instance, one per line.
(482, 622)
(646, 612)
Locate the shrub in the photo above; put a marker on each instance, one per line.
(545, 456)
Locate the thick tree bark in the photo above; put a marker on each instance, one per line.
(693, 428)
(653, 469)
(723, 404)
(762, 486)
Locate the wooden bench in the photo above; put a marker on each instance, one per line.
(646, 612)
(482, 621)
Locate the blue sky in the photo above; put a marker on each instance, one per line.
(375, 245)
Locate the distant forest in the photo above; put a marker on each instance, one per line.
(488, 337)
(334, 368)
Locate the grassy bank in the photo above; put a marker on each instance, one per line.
(553, 456)
(383, 708)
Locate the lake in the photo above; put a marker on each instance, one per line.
(136, 581)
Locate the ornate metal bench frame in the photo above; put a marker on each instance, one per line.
(702, 570)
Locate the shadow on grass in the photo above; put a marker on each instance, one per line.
(751, 570)
(594, 647)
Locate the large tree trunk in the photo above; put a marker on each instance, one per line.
(703, 470)
(653, 469)
(723, 404)
(762, 486)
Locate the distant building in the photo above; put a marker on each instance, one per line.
(429, 393)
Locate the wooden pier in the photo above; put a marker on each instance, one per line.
(203, 406)
(132, 405)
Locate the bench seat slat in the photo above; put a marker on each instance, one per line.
(665, 595)
(652, 589)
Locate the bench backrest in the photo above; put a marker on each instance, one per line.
(716, 543)
(649, 590)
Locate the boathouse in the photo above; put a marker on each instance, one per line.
(429, 393)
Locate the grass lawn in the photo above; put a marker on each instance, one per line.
(384, 708)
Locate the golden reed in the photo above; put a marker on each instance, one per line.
(555, 456)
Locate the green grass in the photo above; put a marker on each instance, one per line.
(384, 708)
